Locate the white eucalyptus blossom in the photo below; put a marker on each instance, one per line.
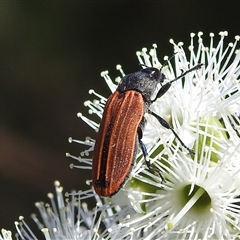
(70, 218)
(5, 235)
(199, 197)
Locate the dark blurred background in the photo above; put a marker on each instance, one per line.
(51, 54)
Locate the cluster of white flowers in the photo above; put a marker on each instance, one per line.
(200, 197)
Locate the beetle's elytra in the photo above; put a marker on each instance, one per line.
(121, 128)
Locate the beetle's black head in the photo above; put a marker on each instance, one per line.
(154, 73)
(144, 81)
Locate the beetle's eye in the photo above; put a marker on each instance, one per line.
(162, 77)
(153, 72)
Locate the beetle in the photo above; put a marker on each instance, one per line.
(122, 125)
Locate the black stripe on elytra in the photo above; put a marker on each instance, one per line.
(102, 182)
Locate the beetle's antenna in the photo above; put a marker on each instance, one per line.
(168, 60)
(198, 66)
(164, 64)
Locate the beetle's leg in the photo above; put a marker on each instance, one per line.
(165, 124)
(143, 147)
(166, 86)
(145, 154)
(162, 91)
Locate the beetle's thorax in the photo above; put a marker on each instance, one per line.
(144, 81)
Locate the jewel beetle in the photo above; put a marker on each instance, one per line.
(122, 125)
